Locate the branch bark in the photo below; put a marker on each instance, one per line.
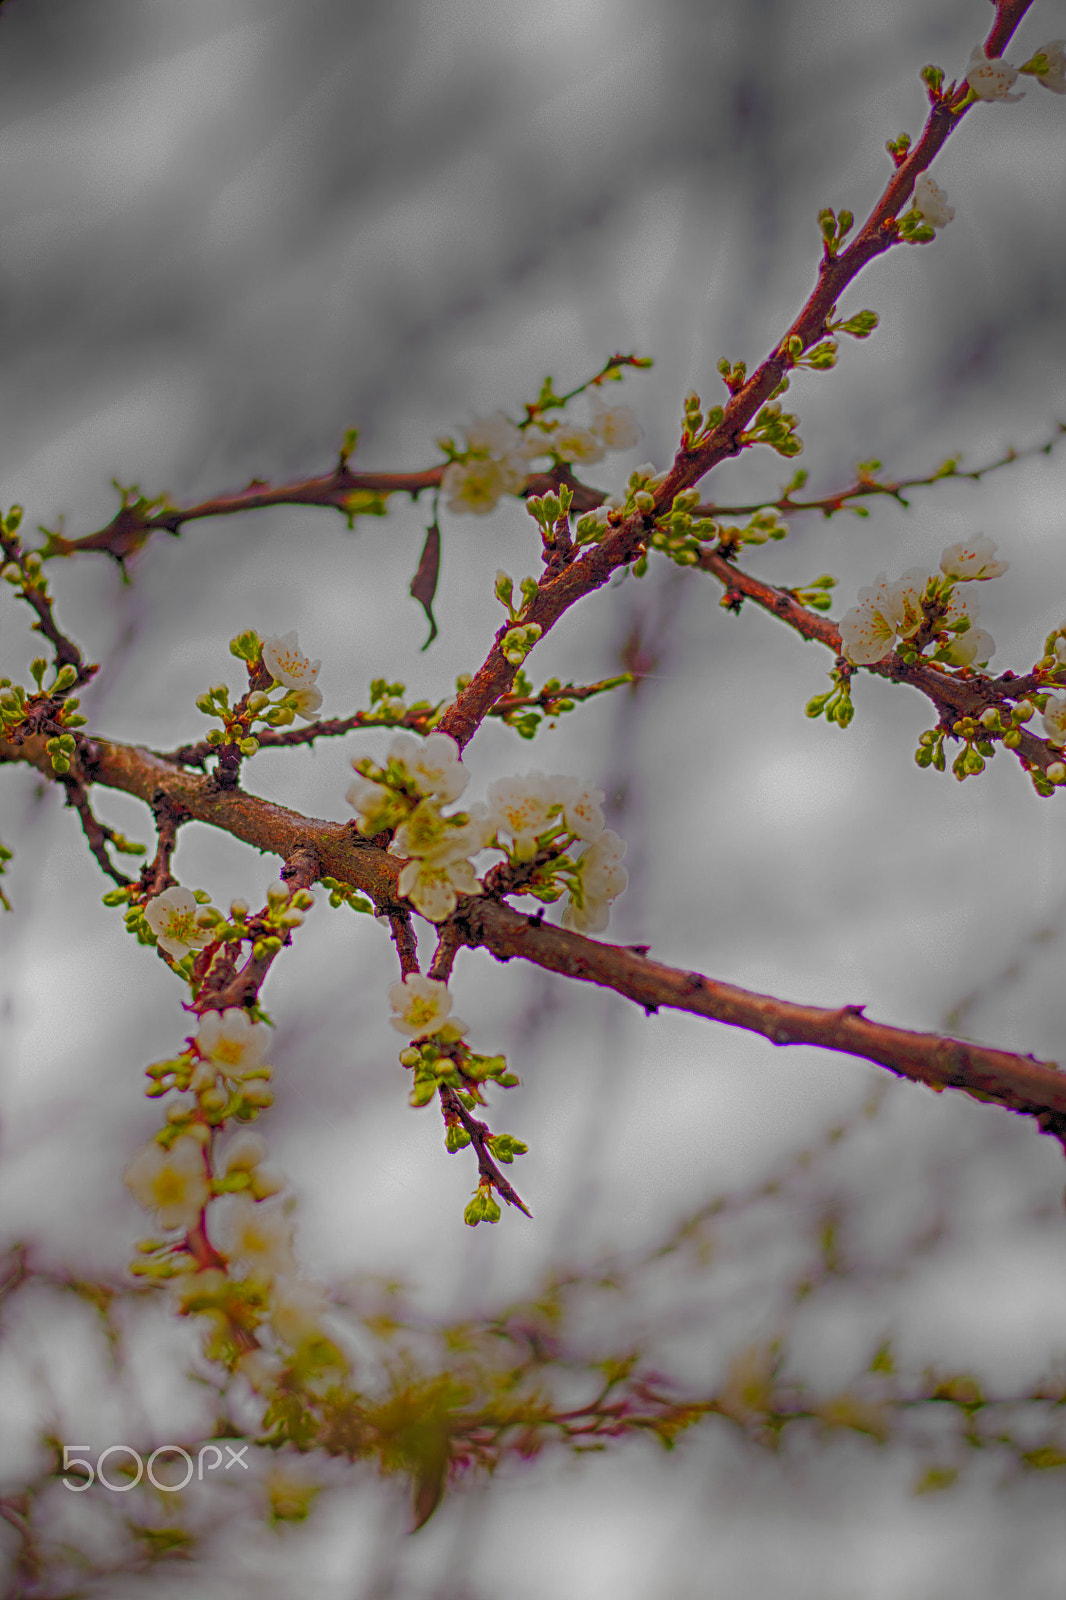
(1020, 1083)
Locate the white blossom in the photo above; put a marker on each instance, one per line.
(261, 1370)
(1052, 58)
(244, 1153)
(173, 1183)
(495, 436)
(376, 807)
(172, 918)
(582, 809)
(286, 663)
(495, 465)
(973, 646)
(308, 702)
(601, 879)
(522, 807)
(295, 1311)
(476, 485)
(433, 887)
(931, 202)
(886, 611)
(617, 426)
(437, 838)
(972, 560)
(1055, 719)
(257, 1236)
(230, 1039)
(574, 443)
(432, 764)
(422, 1006)
(991, 80)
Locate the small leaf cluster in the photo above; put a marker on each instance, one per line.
(835, 705)
(551, 512)
(977, 748)
(679, 534)
(860, 326)
(912, 228)
(44, 712)
(899, 148)
(503, 588)
(776, 428)
(815, 595)
(518, 642)
(835, 229)
(23, 568)
(342, 894)
(697, 428)
(818, 358)
(733, 374)
(484, 1207)
(453, 1066)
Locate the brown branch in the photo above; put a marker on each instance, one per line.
(34, 592)
(404, 938)
(594, 567)
(168, 818)
(953, 695)
(195, 755)
(1018, 1082)
(97, 833)
(480, 1133)
(865, 486)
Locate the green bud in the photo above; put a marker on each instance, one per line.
(246, 646)
(66, 678)
(257, 701)
(861, 325)
(249, 746)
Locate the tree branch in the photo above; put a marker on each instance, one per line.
(1018, 1082)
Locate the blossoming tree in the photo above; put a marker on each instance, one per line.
(416, 853)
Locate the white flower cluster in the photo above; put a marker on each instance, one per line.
(895, 611)
(288, 666)
(995, 79)
(523, 816)
(498, 454)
